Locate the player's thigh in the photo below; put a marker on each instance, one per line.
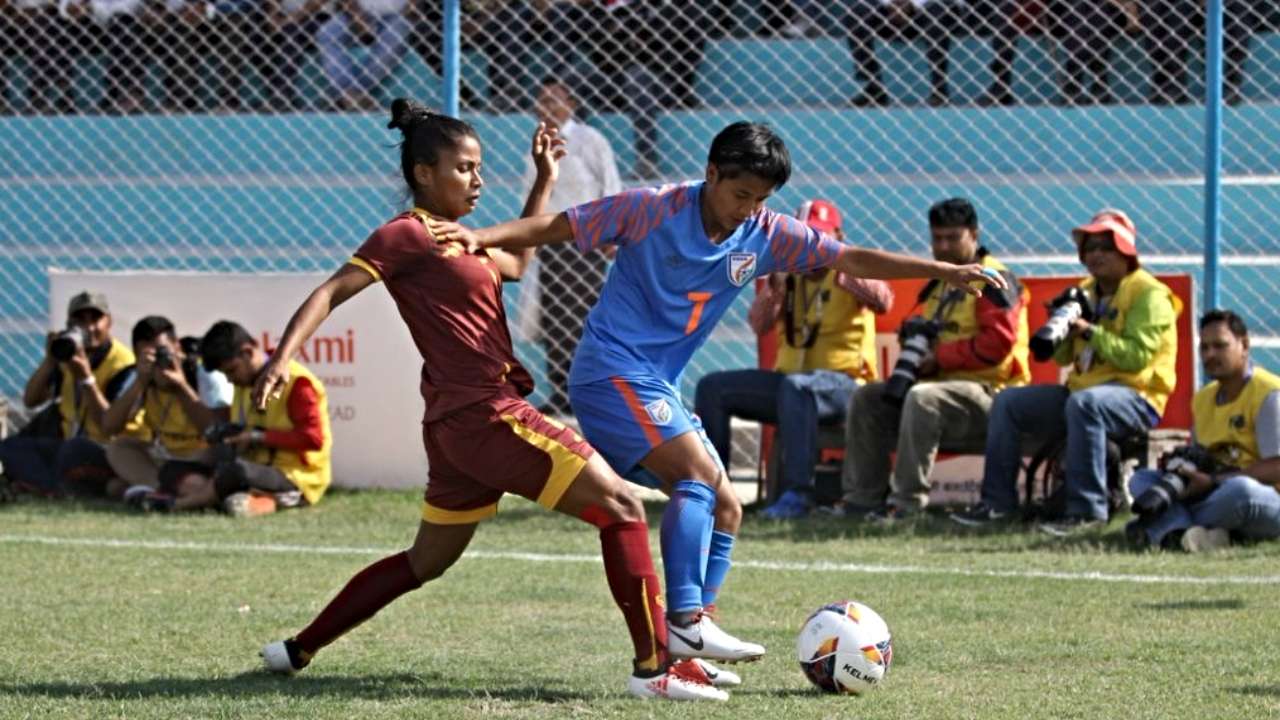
(437, 547)
(599, 496)
(684, 457)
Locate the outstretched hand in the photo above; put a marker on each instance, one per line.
(547, 149)
(270, 383)
(973, 278)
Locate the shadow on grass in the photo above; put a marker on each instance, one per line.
(1221, 604)
(1270, 691)
(373, 687)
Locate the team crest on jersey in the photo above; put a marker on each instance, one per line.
(742, 267)
(659, 411)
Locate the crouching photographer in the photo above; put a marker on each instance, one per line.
(258, 460)
(957, 353)
(1224, 484)
(1118, 332)
(176, 399)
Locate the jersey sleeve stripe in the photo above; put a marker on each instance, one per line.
(637, 411)
(566, 465)
(364, 265)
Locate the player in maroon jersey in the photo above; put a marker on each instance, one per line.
(482, 438)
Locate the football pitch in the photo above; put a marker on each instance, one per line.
(108, 614)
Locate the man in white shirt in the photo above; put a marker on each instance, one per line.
(568, 281)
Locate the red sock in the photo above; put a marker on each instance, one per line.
(634, 584)
(372, 589)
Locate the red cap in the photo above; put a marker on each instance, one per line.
(1123, 233)
(819, 215)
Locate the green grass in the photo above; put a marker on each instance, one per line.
(99, 630)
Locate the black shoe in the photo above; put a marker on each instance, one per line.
(1135, 532)
(889, 514)
(1071, 525)
(980, 515)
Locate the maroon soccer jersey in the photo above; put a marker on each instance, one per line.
(452, 303)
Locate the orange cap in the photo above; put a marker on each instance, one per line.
(1123, 233)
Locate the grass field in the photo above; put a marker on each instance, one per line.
(107, 614)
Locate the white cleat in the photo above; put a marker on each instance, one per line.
(275, 656)
(704, 639)
(684, 680)
(719, 677)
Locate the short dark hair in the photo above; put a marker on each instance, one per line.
(425, 134)
(222, 342)
(953, 212)
(1234, 322)
(151, 327)
(753, 148)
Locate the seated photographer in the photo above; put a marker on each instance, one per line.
(176, 406)
(826, 348)
(962, 350)
(261, 459)
(1117, 329)
(84, 369)
(1224, 483)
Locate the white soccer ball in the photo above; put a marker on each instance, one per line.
(845, 647)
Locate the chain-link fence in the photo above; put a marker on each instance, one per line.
(244, 135)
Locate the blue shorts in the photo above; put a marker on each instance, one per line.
(624, 419)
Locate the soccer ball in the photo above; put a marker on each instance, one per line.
(845, 647)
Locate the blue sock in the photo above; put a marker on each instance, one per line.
(686, 543)
(718, 564)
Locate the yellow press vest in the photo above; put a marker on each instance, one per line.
(960, 322)
(75, 415)
(309, 471)
(846, 331)
(163, 414)
(1228, 430)
(1154, 382)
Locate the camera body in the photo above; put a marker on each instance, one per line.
(217, 433)
(66, 343)
(1073, 304)
(916, 337)
(1172, 486)
(164, 357)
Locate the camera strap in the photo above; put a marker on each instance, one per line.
(814, 300)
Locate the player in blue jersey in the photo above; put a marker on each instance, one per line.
(684, 253)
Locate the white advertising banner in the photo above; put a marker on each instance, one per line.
(363, 353)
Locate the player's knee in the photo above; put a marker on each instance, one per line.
(426, 567)
(728, 512)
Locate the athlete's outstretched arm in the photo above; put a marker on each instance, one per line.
(340, 287)
(528, 232)
(867, 263)
(547, 149)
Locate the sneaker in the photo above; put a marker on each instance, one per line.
(1203, 539)
(719, 677)
(793, 504)
(1070, 525)
(980, 515)
(283, 657)
(684, 680)
(247, 504)
(152, 501)
(889, 514)
(1135, 532)
(704, 639)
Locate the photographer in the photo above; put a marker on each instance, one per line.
(1122, 350)
(262, 459)
(164, 388)
(83, 370)
(826, 330)
(1227, 484)
(964, 351)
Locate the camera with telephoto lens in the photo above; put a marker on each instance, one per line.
(916, 336)
(1073, 304)
(218, 433)
(66, 343)
(1172, 486)
(164, 357)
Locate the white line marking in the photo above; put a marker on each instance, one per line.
(824, 567)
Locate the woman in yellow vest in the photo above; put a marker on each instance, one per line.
(266, 458)
(83, 370)
(826, 347)
(1237, 421)
(1122, 371)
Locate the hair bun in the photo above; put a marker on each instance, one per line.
(405, 112)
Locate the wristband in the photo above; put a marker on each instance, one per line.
(257, 436)
(89, 381)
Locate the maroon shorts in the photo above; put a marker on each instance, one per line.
(497, 446)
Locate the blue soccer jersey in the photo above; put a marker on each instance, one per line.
(670, 284)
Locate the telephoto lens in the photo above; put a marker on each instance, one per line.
(1070, 306)
(916, 336)
(66, 343)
